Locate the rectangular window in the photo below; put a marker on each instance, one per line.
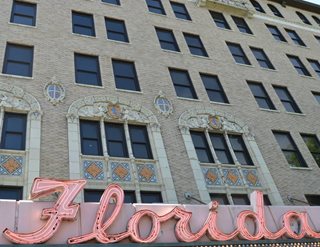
(240, 150)
(116, 140)
(295, 37)
(129, 196)
(261, 95)
(23, 13)
(277, 35)
(221, 198)
(241, 24)
(313, 145)
(221, 148)
(87, 69)
(240, 199)
(219, 20)
(298, 65)
(10, 193)
(182, 83)
(315, 65)
(289, 149)
(151, 197)
(167, 39)
(115, 2)
(14, 131)
(317, 96)
(180, 11)
(18, 60)
(313, 200)
(116, 30)
(155, 6)
(262, 58)
(238, 54)
(286, 99)
(201, 146)
(195, 45)
(140, 142)
(125, 75)
(214, 88)
(90, 138)
(83, 24)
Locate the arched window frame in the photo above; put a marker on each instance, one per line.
(257, 6)
(26, 163)
(113, 109)
(208, 120)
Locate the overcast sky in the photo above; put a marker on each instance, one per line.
(314, 1)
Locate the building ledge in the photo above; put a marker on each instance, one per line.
(237, 5)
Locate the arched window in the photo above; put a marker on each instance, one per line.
(114, 140)
(20, 129)
(316, 19)
(275, 11)
(257, 6)
(303, 18)
(225, 154)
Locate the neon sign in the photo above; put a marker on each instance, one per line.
(66, 209)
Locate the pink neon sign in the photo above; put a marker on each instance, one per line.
(65, 209)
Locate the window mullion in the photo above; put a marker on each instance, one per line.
(128, 140)
(103, 138)
(215, 157)
(234, 157)
(1, 121)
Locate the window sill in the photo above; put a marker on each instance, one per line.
(203, 57)
(245, 65)
(119, 42)
(307, 77)
(269, 110)
(173, 52)
(17, 76)
(189, 99)
(296, 113)
(11, 151)
(110, 4)
(85, 36)
(301, 168)
(92, 157)
(220, 103)
(180, 19)
(21, 25)
(156, 14)
(271, 70)
(87, 85)
(225, 29)
(248, 34)
(301, 46)
(128, 91)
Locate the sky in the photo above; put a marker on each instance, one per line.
(313, 1)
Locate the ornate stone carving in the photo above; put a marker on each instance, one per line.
(54, 91)
(163, 104)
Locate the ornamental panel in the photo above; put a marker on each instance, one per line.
(232, 177)
(120, 171)
(147, 173)
(11, 165)
(212, 176)
(93, 169)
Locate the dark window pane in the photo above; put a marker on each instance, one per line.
(83, 24)
(14, 131)
(313, 200)
(87, 69)
(201, 146)
(240, 150)
(23, 13)
(317, 96)
(116, 2)
(155, 6)
(276, 33)
(180, 11)
(286, 99)
(116, 30)
(275, 11)
(167, 39)
(182, 83)
(238, 54)
(140, 142)
(262, 58)
(92, 195)
(221, 198)
(298, 65)
(219, 20)
(295, 37)
(313, 145)
(125, 75)
(221, 148)
(10, 193)
(130, 197)
(151, 197)
(239, 199)
(241, 24)
(315, 65)
(266, 200)
(303, 18)
(316, 19)
(261, 96)
(90, 138)
(195, 45)
(116, 141)
(257, 6)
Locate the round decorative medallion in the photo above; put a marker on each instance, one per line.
(163, 105)
(215, 122)
(54, 91)
(114, 110)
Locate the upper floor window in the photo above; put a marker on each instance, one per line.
(295, 37)
(241, 24)
(87, 69)
(90, 138)
(261, 95)
(298, 65)
(303, 18)
(18, 60)
(313, 145)
(275, 11)
(222, 199)
(238, 53)
(10, 193)
(140, 142)
(317, 96)
(221, 148)
(220, 20)
(151, 197)
(125, 75)
(116, 2)
(23, 13)
(116, 30)
(214, 88)
(262, 58)
(201, 146)
(240, 150)
(195, 44)
(83, 24)
(182, 83)
(276, 33)
(180, 11)
(240, 199)
(257, 6)
(287, 100)
(167, 39)
(116, 140)
(316, 19)
(14, 131)
(155, 6)
(289, 149)
(95, 196)
(315, 65)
